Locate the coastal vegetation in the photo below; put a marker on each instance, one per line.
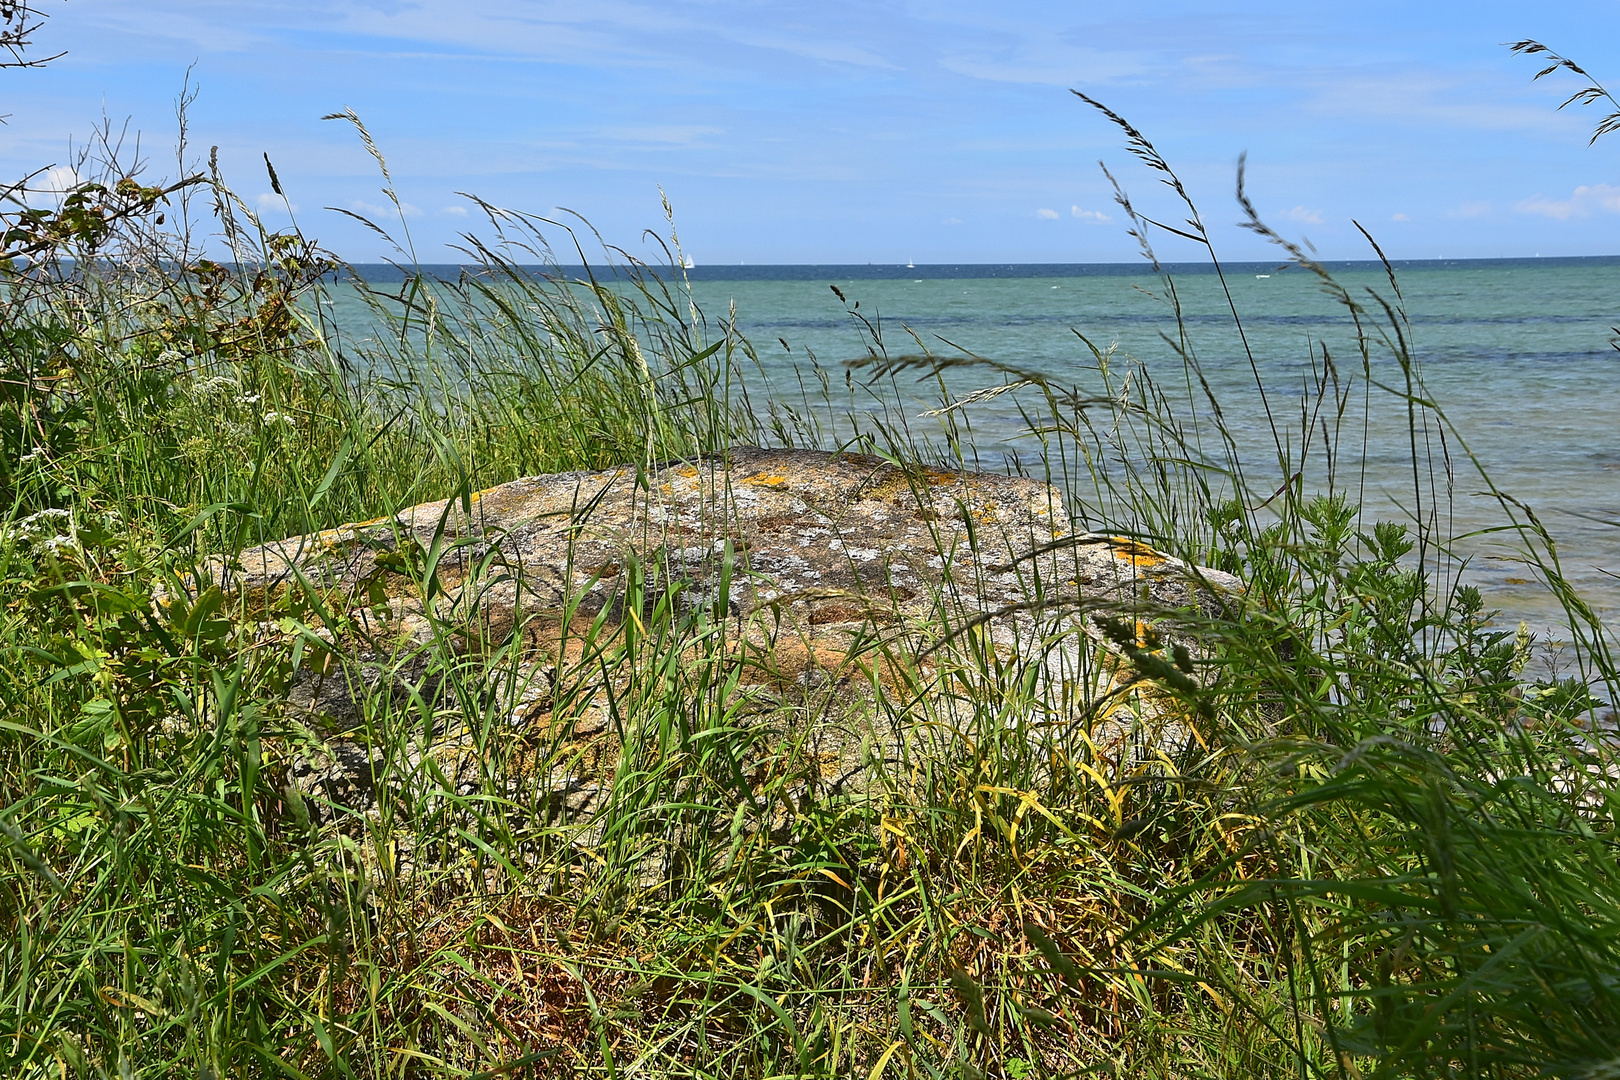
(1384, 846)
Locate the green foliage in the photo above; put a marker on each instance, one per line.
(1337, 825)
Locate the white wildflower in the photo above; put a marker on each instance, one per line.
(216, 386)
(36, 525)
(51, 529)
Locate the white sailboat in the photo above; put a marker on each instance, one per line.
(687, 263)
(910, 265)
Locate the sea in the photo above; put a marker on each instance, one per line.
(1518, 356)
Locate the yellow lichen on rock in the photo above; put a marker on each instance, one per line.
(1137, 554)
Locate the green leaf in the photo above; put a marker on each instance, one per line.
(332, 472)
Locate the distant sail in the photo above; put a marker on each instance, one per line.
(688, 264)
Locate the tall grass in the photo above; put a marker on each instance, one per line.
(1360, 839)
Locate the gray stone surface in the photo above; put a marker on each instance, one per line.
(841, 575)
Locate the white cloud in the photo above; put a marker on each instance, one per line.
(454, 211)
(1399, 217)
(952, 221)
(1472, 209)
(1302, 215)
(54, 183)
(1091, 217)
(1581, 202)
(1046, 215)
(61, 179)
(271, 203)
(374, 210)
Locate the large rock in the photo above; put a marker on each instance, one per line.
(839, 571)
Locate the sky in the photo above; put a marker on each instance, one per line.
(834, 131)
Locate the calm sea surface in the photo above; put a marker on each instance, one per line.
(1516, 352)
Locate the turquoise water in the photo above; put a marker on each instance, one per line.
(1517, 353)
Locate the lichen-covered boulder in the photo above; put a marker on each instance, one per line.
(835, 570)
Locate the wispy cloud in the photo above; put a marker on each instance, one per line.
(376, 210)
(665, 134)
(201, 29)
(832, 129)
(1051, 63)
(271, 203)
(1425, 99)
(830, 52)
(1582, 202)
(628, 33)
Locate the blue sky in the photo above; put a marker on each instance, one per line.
(840, 131)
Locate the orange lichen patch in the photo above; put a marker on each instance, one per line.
(686, 471)
(577, 735)
(895, 486)
(1118, 671)
(892, 487)
(843, 611)
(477, 495)
(1127, 550)
(786, 662)
(343, 534)
(765, 479)
(544, 634)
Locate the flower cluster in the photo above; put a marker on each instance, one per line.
(56, 532)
